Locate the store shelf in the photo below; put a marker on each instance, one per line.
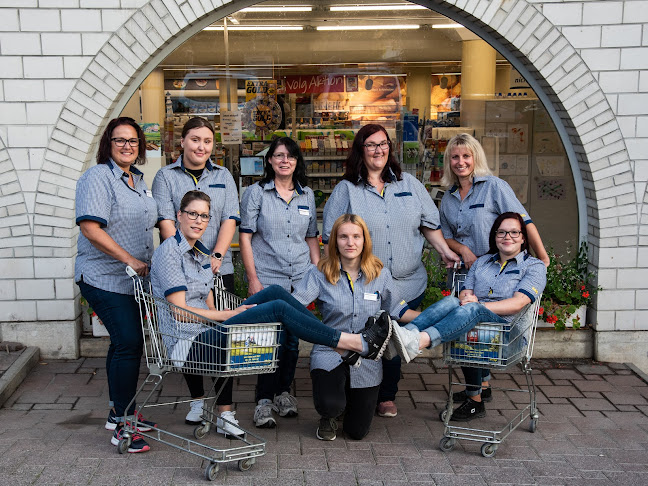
(331, 111)
(325, 157)
(325, 174)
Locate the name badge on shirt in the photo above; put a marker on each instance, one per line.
(148, 192)
(304, 211)
(370, 296)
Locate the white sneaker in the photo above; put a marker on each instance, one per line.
(286, 405)
(194, 417)
(227, 424)
(406, 342)
(263, 416)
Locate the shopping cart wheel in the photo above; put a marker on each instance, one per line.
(211, 471)
(123, 445)
(488, 450)
(200, 431)
(447, 444)
(443, 414)
(245, 464)
(533, 425)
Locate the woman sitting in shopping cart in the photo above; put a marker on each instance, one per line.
(499, 284)
(181, 274)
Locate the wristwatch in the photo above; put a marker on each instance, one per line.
(217, 256)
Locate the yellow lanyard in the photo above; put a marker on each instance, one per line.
(349, 280)
(490, 290)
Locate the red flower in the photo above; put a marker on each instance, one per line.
(540, 311)
(446, 293)
(586, 295)
(551, 319)
(311, 306)
(582, 287)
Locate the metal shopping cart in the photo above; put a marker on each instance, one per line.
(499, 346)
(241, 349)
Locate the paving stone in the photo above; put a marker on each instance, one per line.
(592, 404)
(625, 398)
(511, 475)
(629, 380)
(595, 369)
(327, 478)
(628, 479)
(563, 375)
(597, 386)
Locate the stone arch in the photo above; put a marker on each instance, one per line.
(15, 228)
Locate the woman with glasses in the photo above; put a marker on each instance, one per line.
(400, 215)
(278, 237)
(195, 171)
(499, 284)
(473, 200)
(116, 214)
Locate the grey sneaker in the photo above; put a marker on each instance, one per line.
(406, 342)
(327, 429)
(263, 417)
(286, 405)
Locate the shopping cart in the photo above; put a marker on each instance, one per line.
(242, 349)
(492, 345)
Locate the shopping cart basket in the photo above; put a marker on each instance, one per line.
(240, 349)
(499, 346)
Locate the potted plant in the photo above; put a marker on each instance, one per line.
(437, 287)
(569, 289)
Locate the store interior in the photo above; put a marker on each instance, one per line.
(317, 71)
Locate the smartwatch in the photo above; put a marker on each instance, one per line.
(217, 256)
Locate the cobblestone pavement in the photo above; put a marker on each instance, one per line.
(593, 430)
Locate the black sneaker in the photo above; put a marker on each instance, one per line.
(468, 410)
(486, 394)
(327, 429)
(138, 444)
(376, 333)
(350, 358)
(144, 425)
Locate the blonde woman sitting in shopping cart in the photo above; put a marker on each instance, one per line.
(181, 274)
(498, 285)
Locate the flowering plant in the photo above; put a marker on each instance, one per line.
(568, 287)
(437, 287)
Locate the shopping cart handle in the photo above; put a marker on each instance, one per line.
(131, 273)
(458, 265)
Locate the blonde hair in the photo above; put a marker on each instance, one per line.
(370, 264)
(479, 158)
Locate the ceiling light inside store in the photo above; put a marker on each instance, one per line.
(369, 27)
(279, 8)
(256, 27)
(446, 26)
(360, 8)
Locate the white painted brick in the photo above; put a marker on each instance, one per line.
(28, 179)
(643, 81)
(73, 66)
(605, 320)
(43, 67)
(37, 289)
(65, 288)
(36, 156)
(13, 113)
(602, 12)
(563, 13)
(27, 136)
(619, 81)
(12, 67)
(17, 311)
(617, 257)
(23, 90)
(615, 300)
(111, 20)
(602, 59)
(92, 43)
(620, 35)
(59, 3)
(634, 12)
(81, 20)
(642, 299)
(632, 320)
(634, 58)
(133, 3)
(43, 113)
(642, 126)
(17, 268)
(581, 37)
(9, 20)
(40, 20)
(642, 259)
(635, 278)
(100, 3)
(61, 44)
(633, 104)
(54, 268)
(7, 290)
(55, 310)
(59, 89)
(19, 157)
(637, 147)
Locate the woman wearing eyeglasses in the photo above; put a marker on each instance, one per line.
(499, 284)
(278, 237)
(194, 171)
(400, 215)
(116, 214)
(470, 205)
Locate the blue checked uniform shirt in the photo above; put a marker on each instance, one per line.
(469, 221)
(279, 231)
(347, 307)
(172, 182)
(177, 267)
(127, 214)
(491, 282)
(394, 220)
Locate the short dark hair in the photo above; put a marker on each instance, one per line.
(192, 196)
(299, 176)
(496, 224)
(105, 148)
(355, 165)
(196, 122)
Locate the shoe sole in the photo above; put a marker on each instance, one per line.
(268, 424)
(467, 419)
(322, 438)
(384, 345)
(229, 434)
(110, 426)
(398, 344)
(191, 422)
(289, 413)
(387, 414)
(146, 448)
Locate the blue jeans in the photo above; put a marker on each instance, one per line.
(120, 314)
(273, 304)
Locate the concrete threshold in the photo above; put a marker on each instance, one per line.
(17, 372)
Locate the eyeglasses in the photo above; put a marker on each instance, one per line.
(371, 147)
(193, 215)
(120, 142)
(289, 158)
(513, 234)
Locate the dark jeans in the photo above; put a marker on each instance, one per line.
(392, 367)
(333, 395)
(195, 382)
(120, 314)
(474, 378)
